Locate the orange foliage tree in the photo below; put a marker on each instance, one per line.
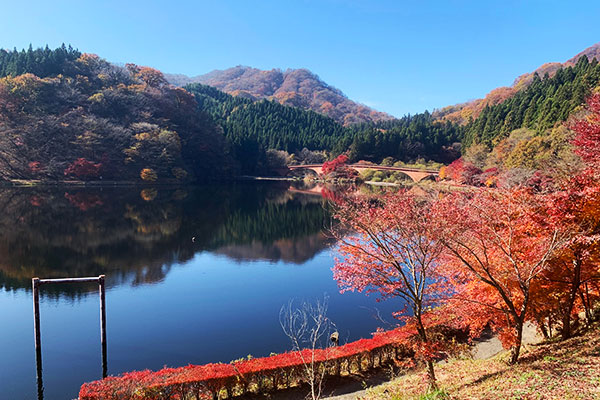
(497, 244)
(393, 254)
(84, 169)
(461, 171)
(588, 132)
(575, 267)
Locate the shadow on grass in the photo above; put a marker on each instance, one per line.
(482, 379)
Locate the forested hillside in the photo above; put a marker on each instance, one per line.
(405, 139)
(253, 127)
(71, 116)
(293, 87)
(464, 112)
(65, 115)
(544, 102)
(526, 139)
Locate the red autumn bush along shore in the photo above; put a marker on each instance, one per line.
(258, 374)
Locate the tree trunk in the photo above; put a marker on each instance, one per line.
(585, 300)
(542, 325)
(516, 348)
(575, 283)
(431, 381)
(565, 331)
(432, 384)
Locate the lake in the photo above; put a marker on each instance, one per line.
(194, 275)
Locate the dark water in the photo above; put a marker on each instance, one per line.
(171, 300)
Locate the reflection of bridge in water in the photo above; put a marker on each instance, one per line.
(414, 173)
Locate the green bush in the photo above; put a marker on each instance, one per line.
(438, 394)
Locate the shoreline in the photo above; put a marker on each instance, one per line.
(40, 183)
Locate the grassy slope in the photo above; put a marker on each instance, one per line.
(562, 370)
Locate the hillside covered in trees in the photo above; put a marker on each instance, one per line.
(254, 127)
(463, 112)
(527, 138)
(65, 115)
(544, 102)
(293, 87)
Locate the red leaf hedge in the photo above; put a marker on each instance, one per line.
(205, 381)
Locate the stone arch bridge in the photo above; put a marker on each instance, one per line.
(415, 174)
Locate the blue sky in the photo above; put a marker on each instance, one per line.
(397, 56)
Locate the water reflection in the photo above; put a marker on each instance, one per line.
(135, 236)
(194, 275)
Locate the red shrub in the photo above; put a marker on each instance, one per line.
(84, 169)
(212, 378)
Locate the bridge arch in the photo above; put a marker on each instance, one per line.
(415, 174)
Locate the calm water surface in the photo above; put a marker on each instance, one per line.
(194, 275)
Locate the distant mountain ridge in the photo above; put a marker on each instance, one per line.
(460, 113)
(293, 87)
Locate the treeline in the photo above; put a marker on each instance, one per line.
(68, 115)
(252, 127)
(40, 62)
(539, 107)
(405, 139)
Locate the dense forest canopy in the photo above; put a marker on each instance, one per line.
(40, 62)
(255, 126)
(86, 119)
(405, 139)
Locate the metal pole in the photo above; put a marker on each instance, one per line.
(35, 284)
(101, 286)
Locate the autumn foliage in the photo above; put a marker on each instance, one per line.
(264, 374)
(393, 253)
(461, 171)
(66, 115)
(83, 169)
(588, 132)
(334, 165)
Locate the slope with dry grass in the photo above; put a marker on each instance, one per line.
(560, 370)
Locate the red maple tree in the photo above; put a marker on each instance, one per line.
(393, 254)
(84, 169)
(497, 244)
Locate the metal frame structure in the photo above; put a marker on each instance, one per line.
(36, 283)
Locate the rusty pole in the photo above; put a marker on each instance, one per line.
(101, 287)
(35, 284)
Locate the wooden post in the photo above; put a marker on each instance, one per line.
(101, 287)
(35, 284)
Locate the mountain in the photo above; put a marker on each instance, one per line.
(461, 113)
(293, 87)
(67, 115)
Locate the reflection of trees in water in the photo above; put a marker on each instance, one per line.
(288, 250)
(135, 237)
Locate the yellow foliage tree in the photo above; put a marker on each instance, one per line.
(148, 175)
